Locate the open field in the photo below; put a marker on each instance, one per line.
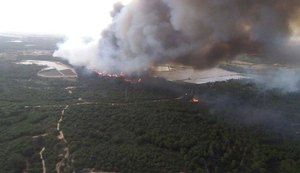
(190, 75)
(53, 69)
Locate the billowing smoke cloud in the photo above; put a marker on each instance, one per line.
(199, 33)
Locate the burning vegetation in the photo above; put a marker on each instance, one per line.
(114, 126)
(195, 100)
(127, 78)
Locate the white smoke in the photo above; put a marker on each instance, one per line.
(78, 52)
(199, 33)
(82, 49)
(284, 80)
(133, 42)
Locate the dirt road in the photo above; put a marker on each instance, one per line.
(61, 137)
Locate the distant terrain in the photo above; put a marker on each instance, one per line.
(95, 123)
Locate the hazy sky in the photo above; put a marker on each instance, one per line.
(73, 17)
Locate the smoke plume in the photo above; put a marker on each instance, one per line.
(284, 80)
(199, 33)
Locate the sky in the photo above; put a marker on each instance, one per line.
(67, 17)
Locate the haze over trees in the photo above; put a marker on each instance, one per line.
(152, 126)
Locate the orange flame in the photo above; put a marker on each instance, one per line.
(131, 80)
(195, 100)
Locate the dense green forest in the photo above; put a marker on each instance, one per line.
(153, 126)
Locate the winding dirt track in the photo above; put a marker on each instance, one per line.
(61, 137)
(43, 161)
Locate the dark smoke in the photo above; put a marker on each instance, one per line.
(199, 33)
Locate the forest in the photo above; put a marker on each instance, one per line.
(113, 125)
